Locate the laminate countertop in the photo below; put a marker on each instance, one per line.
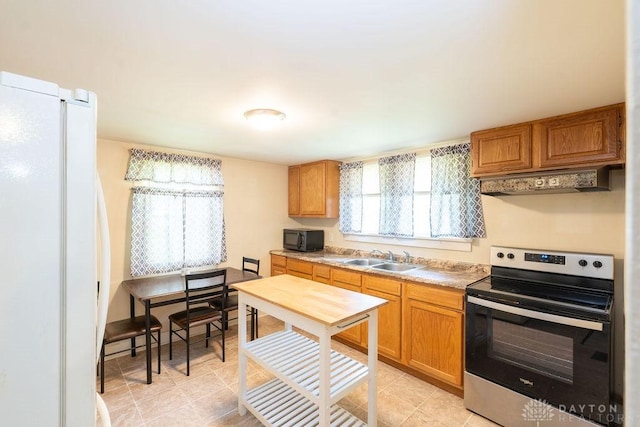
(451, 274)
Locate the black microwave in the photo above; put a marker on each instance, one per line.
(303, 239)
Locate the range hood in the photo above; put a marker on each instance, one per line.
(565, 181)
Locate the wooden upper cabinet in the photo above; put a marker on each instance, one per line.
(314, 189)
(583, 138)
(501, 150)
(294, 190)
(587, 138)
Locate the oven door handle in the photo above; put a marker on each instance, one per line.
(569, 321)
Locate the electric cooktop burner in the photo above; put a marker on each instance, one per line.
(576, 284)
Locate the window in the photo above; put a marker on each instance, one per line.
(177, 212)
(424, 196)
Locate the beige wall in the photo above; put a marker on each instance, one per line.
(255, 210)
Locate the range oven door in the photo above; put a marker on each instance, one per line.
(564, 361)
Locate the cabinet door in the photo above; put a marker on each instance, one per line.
(494, 151)
(389, 315)
(278, 265)
(389, 326)
(588, 137)
(312, 189)
(294, 190)
(433, 340)
(350, 281)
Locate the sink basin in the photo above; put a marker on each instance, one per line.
(364, 261)
(395, 267)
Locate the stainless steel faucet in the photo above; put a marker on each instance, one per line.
(407, 257)
(375, 251)
(390, 256)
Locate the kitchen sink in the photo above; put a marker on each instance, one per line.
(366, 262)
(388, 266)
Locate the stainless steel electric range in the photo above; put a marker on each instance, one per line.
(539, 339)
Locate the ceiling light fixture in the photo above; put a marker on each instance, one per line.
(264, 118)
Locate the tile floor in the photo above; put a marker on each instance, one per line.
(208, 396)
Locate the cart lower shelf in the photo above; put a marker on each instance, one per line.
(295, 358)
(275, 403)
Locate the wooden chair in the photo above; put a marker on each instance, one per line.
(250, 265)
(124, 329)
(200, 288)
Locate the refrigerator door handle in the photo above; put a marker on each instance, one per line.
(105, 285)
(105, 267)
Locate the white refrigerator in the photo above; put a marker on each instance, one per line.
(52, 218)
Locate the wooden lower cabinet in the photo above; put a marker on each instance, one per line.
(351, 281)
(421, 328)
(433, 338)
(389, 315)
(278, 265)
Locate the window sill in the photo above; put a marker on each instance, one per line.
(462, 245)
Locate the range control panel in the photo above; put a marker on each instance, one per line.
(546, 258)
(598, 266)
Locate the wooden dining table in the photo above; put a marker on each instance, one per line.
(165, 290)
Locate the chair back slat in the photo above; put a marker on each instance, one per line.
(251, 265)
(200, 288)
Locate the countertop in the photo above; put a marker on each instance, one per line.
(437, 272)
(325, 304)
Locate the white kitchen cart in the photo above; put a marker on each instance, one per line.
(310, 377)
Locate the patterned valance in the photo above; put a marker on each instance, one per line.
(159, 167)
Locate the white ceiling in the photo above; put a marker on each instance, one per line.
(355, 78)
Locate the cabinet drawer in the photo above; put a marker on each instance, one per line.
(276, 271)
(381, 284)
(279, 260)
(299, 266)
(443, 297)
(322, 274)
(346, 277)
